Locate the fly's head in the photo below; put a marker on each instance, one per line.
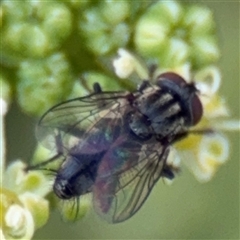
(62, 188)
(167, 108)
(185, 93)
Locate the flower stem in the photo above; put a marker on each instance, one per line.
(3, 111)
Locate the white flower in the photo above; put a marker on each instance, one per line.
(20, 222)
(126, 64)
(22, 203)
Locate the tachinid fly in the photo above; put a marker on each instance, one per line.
(116, 144)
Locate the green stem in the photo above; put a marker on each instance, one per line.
(3, 110)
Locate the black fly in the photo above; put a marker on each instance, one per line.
(116, 144)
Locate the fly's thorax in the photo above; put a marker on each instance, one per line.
(139, 125)
(166, 109)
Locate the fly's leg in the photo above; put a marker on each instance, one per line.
(42, 164)
(180, 136)
(145, 84)
(167, 172)
(151, 71)
(205, 131)
(52, 159)
(97, 88)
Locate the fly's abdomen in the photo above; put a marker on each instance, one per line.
(77, 175)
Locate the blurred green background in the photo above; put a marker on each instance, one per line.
(184, 210)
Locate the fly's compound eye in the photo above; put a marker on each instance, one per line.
(185, 91)
(171, 76)
(196, 109)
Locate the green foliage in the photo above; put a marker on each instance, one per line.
(44, 82)
(49, 46)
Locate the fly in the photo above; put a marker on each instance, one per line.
(115, 144)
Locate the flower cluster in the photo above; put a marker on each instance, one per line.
(23, 207)
(173, 34)
(53, 50)
(48, 48)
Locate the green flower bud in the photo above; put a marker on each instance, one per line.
(150, 37)
(38, 207)
(43, 83)
(13, 11)
(154, 28)
(34, 28)
(103, 26)
(105, 82)
(27, 39)
(76, 209)
(176, 53)
(56, 23)
(174, 34)
(199, 20)
(115, 12)
(204, 50)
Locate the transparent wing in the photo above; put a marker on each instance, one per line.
(67, 123)
(122, 187)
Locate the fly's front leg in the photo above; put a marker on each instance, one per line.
(180, 136)
(152, 71)
(169, 170)
(59, 153)
(145, 84)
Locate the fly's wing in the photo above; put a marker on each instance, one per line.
(67, 124)
(125, 179)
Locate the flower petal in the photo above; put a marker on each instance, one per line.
(19, 223)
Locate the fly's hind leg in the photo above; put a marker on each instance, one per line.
(168, 172)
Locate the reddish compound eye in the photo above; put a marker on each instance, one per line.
(197, 109)
(186, 93)
(172, 77)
